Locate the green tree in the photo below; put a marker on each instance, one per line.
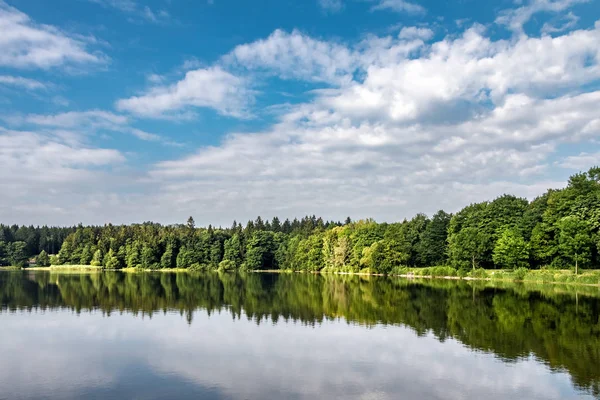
(468, 246)
(511, 250)
(86, 255)
(111, 260)
(233, 250)
(97, 259)
(260, 251)
(433, 245)
(17, 254)
(3, 253)
(43, 260)
(169, 258)
(574, 240)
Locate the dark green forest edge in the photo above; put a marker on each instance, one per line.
(558, 325)
(557, 231)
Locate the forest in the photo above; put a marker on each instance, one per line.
(559, 229)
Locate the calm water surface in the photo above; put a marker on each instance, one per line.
(261, 336)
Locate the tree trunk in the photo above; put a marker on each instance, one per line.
(576, 267)
(473, 262)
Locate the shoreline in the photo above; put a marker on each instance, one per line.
(544, 276)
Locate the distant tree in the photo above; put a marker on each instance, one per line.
(574, 240)
(511, 250)
(233, 250)
(3, 253)
(86, 255)
(17, 254)
(468, 246)
(260, 251)
(169, 257)
(433, 245)
(97, 259)
(111, 260)
(43, 260)
(190, 223)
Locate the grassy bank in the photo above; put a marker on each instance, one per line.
(10, 268)
(66, 268)
(586, 277)
(542, 276)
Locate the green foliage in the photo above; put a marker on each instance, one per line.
(511, 250)
(97, 259)
(17, 254)
(468, 247)
(574, 240)
(227, 265)
(260, 251)
(111, 260)
(43, 260)
(433, 245)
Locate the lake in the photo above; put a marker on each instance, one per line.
(293, 336)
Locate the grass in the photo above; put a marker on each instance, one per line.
(66, 268)
(541, 276)
(586, 277)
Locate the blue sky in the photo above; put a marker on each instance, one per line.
(128, 110)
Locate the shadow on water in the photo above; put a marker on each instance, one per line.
(559, 326)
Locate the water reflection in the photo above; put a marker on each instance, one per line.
(292, 336)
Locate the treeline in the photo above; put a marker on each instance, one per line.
(19, 243)
(559, 229)
(562, 329)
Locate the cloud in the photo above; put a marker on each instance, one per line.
(514, 19)
(25, 83)
(209, 87)
(413, 32)
(35, 164)
(397, 123)
(131, 7)
(469, 120)
(570, 22)
(580, 162)
(88, 122)
(72, 119)
(25, 44)
(332, 6)
(400, 6)
(295, 56)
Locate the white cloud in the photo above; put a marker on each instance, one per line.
(401, 123)
(570, 22)
(401, 6)
(297, 56)
(581, 162)
(32, 163)
(514, 19)
(332, 6)
(467, 121)
(26, 83)
(210, 87)
(72, 119)
(133, 8)
(88, 122)
(413, 32)
(25, 44)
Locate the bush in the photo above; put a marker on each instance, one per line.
(520, 273)
(478, 273)
(443, 271)
(227, 265)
